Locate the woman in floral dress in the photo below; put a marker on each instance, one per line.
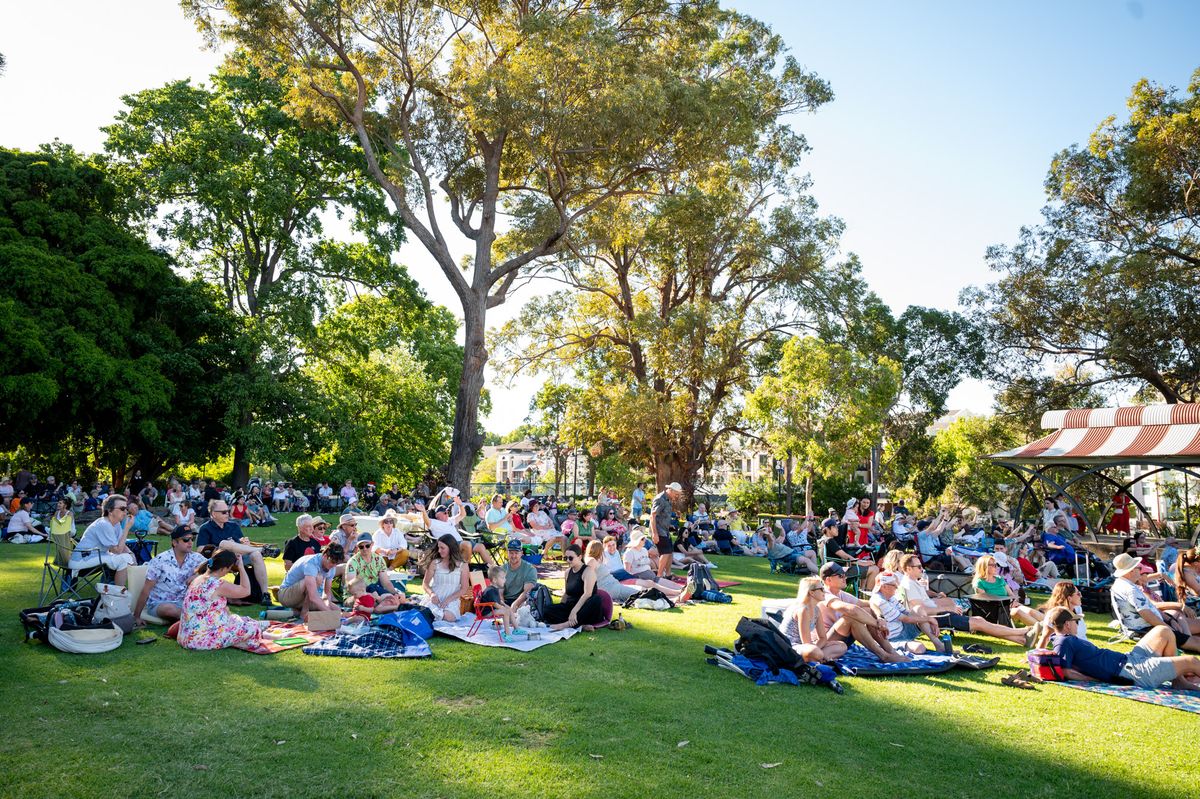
(206, 623)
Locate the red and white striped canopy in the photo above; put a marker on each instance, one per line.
(1164, 433)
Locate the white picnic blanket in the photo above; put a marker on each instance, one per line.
(487, 635)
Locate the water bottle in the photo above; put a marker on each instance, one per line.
(947, 640)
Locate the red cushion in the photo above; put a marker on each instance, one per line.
(172, 631)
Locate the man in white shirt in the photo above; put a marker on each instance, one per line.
(442, 523)
(903, 625)
(1138, 613)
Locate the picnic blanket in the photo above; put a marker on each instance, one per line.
(487, 635)
(294, 634)
(379, 642)
(861, 662)
(1188, 701)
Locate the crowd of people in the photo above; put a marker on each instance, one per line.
(622, 549)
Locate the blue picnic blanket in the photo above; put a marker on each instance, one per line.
(859, 661)
(380, 642)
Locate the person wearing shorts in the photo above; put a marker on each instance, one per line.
(1151, 663)
(660, 525)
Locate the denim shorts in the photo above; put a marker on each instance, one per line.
(908, 633)
(1146, 669)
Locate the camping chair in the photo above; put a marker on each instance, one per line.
(59, 580)
(852, 578)
(135, 579)
(479, 607)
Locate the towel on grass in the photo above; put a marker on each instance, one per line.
(285, 630)
(487, 635)
(860, 662)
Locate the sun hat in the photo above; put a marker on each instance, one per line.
(1124, 563)
(850, 503)
(636, 537)
(345, 518)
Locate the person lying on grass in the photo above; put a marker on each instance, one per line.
(850, 619)
(494, 594)
(367, 573)
(1151, 663)
(945, 610)
(805, 627)
(308, 585)
(903, 625)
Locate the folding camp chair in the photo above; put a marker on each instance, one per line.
(59, 580)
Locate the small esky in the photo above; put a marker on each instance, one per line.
(945, 118)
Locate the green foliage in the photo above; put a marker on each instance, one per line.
(104, 351)
(955, 470)
(540, 113)
(833, 490)
(752, 498)
(826, 407)
(1109, 283)
(613, 471)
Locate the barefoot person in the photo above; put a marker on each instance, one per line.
(851, 619)
(804, 625)
(1151, 663)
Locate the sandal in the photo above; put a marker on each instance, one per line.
(1015, 681)
(1026, 675)
(978, 649)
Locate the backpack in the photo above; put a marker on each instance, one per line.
(540, 602)
(36, 621)
(652, 594)
(760, 640)
(701, 575)
(1046, 664)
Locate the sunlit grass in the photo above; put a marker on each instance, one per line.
(477, 722)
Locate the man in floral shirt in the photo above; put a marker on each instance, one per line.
(167, 578)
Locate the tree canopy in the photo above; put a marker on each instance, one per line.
(104, 350)
(539, 113)
(1109, 284)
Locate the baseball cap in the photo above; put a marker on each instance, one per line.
(832, 570)
(181, 531)
(364, 538)
(887, 578)
(830, 523)
(514, 544)
(673, 487)
(1057, 617)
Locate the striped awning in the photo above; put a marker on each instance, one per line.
(1157, 433)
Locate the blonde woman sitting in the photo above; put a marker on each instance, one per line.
(804, 627)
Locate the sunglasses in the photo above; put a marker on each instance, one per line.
(364, 546)
(187, 539)
(571, 559)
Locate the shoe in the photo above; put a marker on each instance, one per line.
(1032, 634)
(688, 591)
(712, 565)
(506, 638)
(267, 603)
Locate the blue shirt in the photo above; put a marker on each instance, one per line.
(211, 533)
(307, 566)
(1084, 656)
(1067, 552)
(141, 522)
(1168, 556)
(928, 543)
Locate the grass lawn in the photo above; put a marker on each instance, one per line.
(604, 714)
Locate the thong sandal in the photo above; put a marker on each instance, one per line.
(1015, 681)
(977, 649)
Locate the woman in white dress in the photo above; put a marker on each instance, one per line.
(446, 579)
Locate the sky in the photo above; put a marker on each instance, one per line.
(945, 118)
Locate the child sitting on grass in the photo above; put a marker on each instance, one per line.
(495, 594)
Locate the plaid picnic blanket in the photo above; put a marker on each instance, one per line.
(380, 642)
(860, 662)
(1188, 701)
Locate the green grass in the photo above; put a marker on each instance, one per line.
(471, 721)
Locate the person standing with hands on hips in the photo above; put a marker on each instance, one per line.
(660, 525)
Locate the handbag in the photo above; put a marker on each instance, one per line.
(115, 605)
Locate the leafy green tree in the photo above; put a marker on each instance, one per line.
(1109, 283)
(241, 191)
(825, 408)
(752, 498)
(536, 112)
(105, 353)
(971, 480)
(548, 417)
(675, 302)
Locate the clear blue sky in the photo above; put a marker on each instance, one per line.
(945, 118)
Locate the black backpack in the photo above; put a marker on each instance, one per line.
(760, 640)
(539, 602)
(649, 593)
(701, 575)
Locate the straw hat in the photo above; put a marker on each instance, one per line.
(1124, 563)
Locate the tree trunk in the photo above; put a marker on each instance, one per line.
(808, 484)
(466, 440)
(673, 469)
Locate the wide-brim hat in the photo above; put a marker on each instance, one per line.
(1124, 563)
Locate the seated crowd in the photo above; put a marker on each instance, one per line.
(606, 548)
